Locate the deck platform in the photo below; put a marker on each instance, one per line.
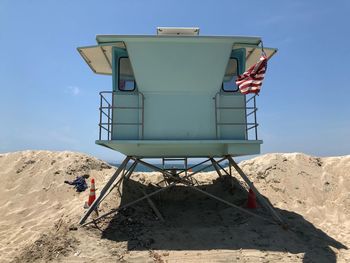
(183, 148)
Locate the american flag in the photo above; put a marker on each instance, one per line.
(251, 80)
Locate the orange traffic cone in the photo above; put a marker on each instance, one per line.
(251, 203)
(92, 195)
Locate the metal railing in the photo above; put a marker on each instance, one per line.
(107, 107)
(108, 122)
(250, 113)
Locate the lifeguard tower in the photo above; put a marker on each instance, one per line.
(174, 97)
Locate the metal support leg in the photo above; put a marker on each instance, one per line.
(201, 169)
(144, 197)
(104, 191)
(222, 168)
(153, 206)
(124, 176)
(168, 174)
(229, 174)
(192, 167)
(131, 203)
(131, 170)
(230, 204)
(258, 195)
(185, 181)
(216, 167)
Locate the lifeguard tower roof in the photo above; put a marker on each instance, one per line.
(173, 94)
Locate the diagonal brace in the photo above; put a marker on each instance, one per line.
(258, 195)
(104, 190)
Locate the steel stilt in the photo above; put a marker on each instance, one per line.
(176, 180)
(261, 199)
(104, 191)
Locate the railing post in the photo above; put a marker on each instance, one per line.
(109, 121)
(143, 115)
(99, 135)
(216, 116)
(256, 125)
(112, 126)
(246, 117)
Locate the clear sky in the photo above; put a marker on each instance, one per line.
(49, 96)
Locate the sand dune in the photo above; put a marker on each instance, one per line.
(34, 197)
(39, 213)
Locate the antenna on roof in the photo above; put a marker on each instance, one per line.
(178, 31)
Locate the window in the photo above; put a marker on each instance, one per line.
(125, 75)
(229, 82)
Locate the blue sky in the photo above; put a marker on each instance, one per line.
(49, 96)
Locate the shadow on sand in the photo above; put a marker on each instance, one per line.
(195, 222)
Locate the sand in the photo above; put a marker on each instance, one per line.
(39, 213)
(34, 198)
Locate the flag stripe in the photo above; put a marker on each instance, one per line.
(251, 80)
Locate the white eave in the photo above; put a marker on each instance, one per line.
(99, 57)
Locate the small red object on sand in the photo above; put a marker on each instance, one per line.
(92, 195)
(251, 203)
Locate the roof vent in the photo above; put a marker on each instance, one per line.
(178, 31)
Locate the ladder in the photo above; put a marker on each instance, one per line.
(173, 169)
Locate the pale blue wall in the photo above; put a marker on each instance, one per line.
(179, 80)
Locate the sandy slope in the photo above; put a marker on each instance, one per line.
(34, 197)
(38, 212)
(317, 188)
